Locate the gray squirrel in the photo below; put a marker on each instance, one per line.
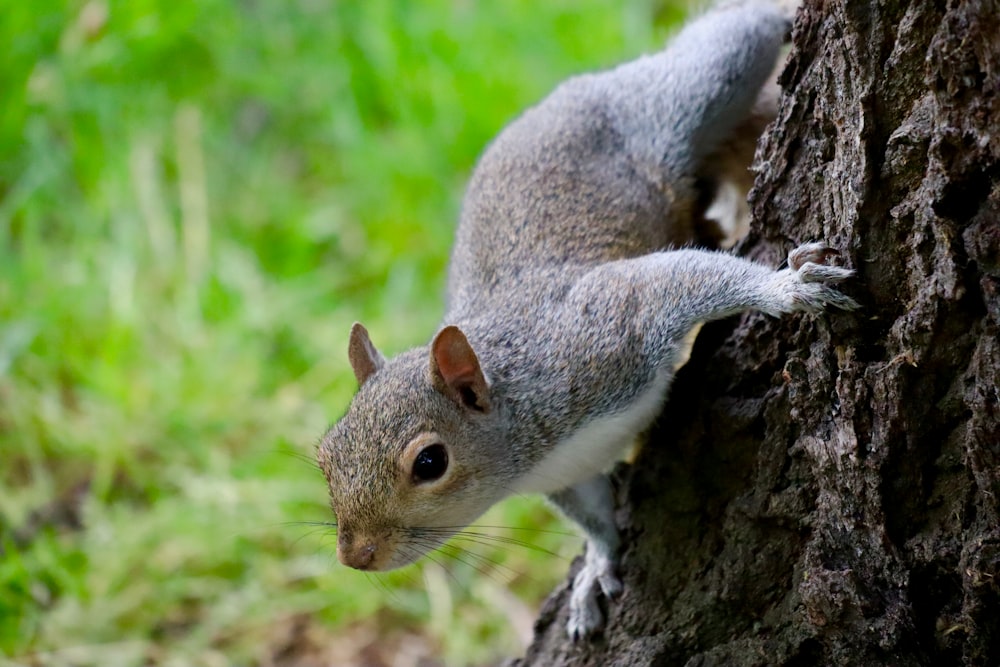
(566, 315)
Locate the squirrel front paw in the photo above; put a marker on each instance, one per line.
(806, 284)
(597, 575)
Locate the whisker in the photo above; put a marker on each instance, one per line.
(543, 531)
(506, 573)
(492, 540)
(430, 555)
(458, 554)
(329, 524)
(380, 583)
(487, 566)
(487, 539)
(313, 531)
(305, 458)
(414, 555)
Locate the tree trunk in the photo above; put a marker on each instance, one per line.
(824, 490)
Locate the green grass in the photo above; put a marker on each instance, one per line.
(196, 200)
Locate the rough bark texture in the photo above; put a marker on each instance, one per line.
(826, 490)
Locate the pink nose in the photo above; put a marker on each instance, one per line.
(360, 554)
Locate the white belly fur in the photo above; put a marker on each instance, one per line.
(596, 446)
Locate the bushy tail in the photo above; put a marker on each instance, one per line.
(676, 106)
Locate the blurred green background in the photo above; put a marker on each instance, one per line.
(196, 201)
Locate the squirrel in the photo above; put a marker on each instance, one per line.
(566, 311)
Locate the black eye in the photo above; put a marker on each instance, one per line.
(430, 464)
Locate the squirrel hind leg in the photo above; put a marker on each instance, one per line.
(722, 214)
(726, 219)
(590, 504)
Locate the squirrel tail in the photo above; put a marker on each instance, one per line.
(676, 106)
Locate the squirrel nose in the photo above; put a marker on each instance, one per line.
(359, 554)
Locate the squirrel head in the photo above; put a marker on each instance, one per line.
(414, 459)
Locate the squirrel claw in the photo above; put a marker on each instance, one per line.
(611, 585)
(808, 279)
(596, 576)
(811, 253)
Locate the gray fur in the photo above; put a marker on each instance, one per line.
(560, 282)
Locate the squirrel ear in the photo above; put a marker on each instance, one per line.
(365, 359)
(455, 370)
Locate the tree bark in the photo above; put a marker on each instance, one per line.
(826, 490)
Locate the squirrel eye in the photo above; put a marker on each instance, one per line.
(430, 464)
